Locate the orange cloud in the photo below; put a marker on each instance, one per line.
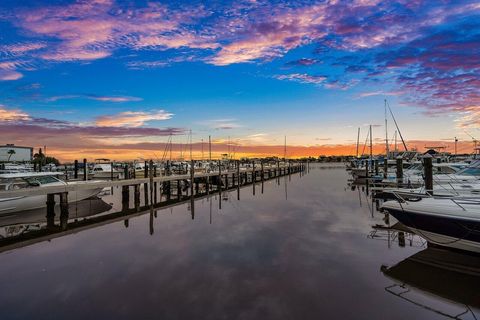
(132, 118)
(7, 115)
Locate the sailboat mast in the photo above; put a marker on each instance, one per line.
(398, 129)
(386, 131)
(210, 148)
(371, 144)
(191, 158)
(285, 150)
(358, 139)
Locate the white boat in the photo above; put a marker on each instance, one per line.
(25, 180)
(448, 222)
(15, 167)
(465, 189)
(443, 173)
(106, 171)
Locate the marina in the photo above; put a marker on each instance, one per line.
(299, 234)
(239, 159)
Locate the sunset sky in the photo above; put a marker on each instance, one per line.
(115, 79)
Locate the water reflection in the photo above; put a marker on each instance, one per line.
(310, 248)
(438, 273)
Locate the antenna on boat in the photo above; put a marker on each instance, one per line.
(396, 125)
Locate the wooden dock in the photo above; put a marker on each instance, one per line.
(159, 192)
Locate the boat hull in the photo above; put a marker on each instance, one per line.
(440, 230)
(17, 204)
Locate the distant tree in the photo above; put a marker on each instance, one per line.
(39, 158)
(10, 153)
(52, 160)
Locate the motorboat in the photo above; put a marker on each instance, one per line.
(26, 180)
(450, 222)
(106, 171)
(15, 167)
(22, 222)
(443, 173)
(466, 189)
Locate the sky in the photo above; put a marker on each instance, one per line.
(121, 79)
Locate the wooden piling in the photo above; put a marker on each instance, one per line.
(64, 203)
(50, 210)
(136, 196)
(219, 181)
(385, 168)
(179, 190)
(238, 180)
(254, 177)
(428, 173)
(75, 169)
(155, 184)
(125, 198)
(399, 170)
(150, 176)
(219, 184)
(85, 170)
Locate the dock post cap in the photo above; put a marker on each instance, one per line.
(399, 157)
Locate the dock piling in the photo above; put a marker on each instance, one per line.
(75, 169)
(85, 170)
(428, 173)
(399, 170)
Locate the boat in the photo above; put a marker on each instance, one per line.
(15, 167)
(449, 222)
(25, 180)
(105, 170)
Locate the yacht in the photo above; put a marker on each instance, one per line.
(450, 222)
(465, 189)
(106, 171)
(25, 180)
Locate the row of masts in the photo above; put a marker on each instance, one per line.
(231, 149)
(387, 142)
(399, 133)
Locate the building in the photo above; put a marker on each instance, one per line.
(13, 153)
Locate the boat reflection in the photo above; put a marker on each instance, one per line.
(32, 220)
(438, 273)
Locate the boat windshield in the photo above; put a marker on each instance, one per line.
(35, 181)
(470, 172)
(13, 184)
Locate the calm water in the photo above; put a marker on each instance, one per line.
(301, 250)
